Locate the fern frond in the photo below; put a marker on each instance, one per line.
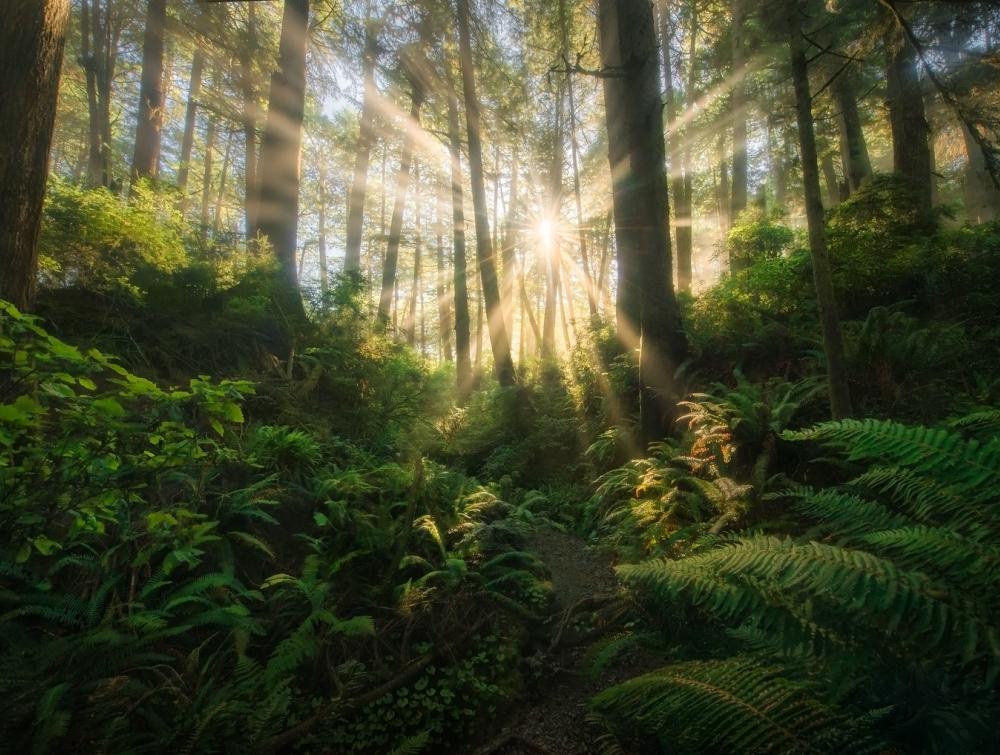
(732, 705)
(964, 465)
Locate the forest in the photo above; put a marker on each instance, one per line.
(499, 377)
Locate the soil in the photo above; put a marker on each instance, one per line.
(551, 721)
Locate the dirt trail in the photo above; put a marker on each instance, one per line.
(551, 720)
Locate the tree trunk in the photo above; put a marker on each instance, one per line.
(150, 120)
(206, 176)
(463, 359)
(398, 207)
(840, 396)
(684, 202)
(722, 199)
(190, 118)
(221, 193)
(509, 249)
(588, 278)
(441, 287)
(32, 39)
(552, 244)
(324, 272)
(250, 116)
(648, 313)
(99, 50)
(738, 202)
(910, 144)
(359, 186)
(853, 148)
(503, 365)
(411, 319)
(830, 176)
(278, 213)
(982, 198)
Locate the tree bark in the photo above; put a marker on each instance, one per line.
(324, 271)
(463, 358)
(278, 213)
(830, 176)
(411, 318)
(150, 119)
(509, 249)
(853, 148)
(840, 396)
(398, 207)
(190, 118)
(588, 277)
(32, 40)
(359, 185)
(648, 311)
(250, 116)
(910, 143)
(552, 244)
(503, 365)
(206, 175)
(441, 289)
(221, 193)
(738, 202)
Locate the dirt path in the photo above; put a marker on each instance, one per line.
(551, 720)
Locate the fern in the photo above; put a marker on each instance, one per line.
(963, 465)
(733, 705)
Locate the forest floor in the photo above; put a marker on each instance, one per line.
(551, 720)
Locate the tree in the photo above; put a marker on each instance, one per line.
(463, 356)
(836, 366)
(853, 148)
(359, 185)
(150, 119)
(503, 365)
(279, 155)
(738, 201)
(399, 203)
(648, 316)
(32, 39)
(911, 150)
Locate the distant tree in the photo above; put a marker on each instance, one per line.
(150, 118)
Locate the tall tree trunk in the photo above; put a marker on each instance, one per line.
(221, 193)
(503, 365)
(278, 213)
(509, 249)
(359, 185)
(206, 176)
(398, 207)
(982, 198)
(463, 359)
(32, 40)
(830, 176)
(411, 319)
(910, 144)
(552, 244)
(441, 284)
(100, 31)
(190, 119)
(588, 278)
(150, 120)
(639, 183)
(324, 271)
(673, 140)
(684, 202)
(738, 202)
(250, 116)
(722, 198)
(853, 148)
(840, 396)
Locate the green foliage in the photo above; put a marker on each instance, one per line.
(733, 705)
(882, 589)
(95, 239)
(756, 236)
(169, 581)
